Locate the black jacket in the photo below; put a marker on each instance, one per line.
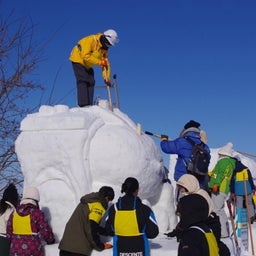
(193, 210)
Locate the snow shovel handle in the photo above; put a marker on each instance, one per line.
(154, 135)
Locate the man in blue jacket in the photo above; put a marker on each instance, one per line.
(183, 148)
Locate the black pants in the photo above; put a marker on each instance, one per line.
(4, 246)
(85, 83)
(65, 253)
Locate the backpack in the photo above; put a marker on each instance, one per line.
(199, 160)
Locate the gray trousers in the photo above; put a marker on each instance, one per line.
(219, 201)
(240, 204)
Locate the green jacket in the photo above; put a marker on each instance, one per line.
(222, 173)
(81, 231)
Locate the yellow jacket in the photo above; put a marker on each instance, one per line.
(88, 52)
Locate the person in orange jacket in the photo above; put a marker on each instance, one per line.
(91, 51)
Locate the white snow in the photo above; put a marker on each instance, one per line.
(67, 153)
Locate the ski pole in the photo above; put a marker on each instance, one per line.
(248, 213)
(238, 249)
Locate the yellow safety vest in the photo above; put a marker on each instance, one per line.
(126, 223)
(22, 225)
(212, 243)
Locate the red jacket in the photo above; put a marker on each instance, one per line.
(29, 244)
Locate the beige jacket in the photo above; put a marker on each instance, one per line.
(4, 217)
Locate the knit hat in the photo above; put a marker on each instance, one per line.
(227, 150)
(192, 123)
(31, 193)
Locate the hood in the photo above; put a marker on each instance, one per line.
(25, 209)
(193, 209)
(240, 166)
(207, 197)
(189, 182)
(193, 132)
(94, 197)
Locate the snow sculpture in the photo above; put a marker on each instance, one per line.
(67, 153)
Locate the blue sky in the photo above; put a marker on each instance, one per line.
(176, 60)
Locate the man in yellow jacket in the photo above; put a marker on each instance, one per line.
(90, 51)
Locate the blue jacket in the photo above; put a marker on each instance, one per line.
(237, 181)
(182, 148)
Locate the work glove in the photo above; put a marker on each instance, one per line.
(210, 174)
(175, 233)
(108, 82)
(104, 63)
(215, 189)
(108, 246)
(106, 74)
(164, 137)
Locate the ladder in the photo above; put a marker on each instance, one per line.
(109, 88)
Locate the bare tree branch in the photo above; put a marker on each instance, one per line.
(19, 57)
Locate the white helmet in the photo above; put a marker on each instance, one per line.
(111, 36)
